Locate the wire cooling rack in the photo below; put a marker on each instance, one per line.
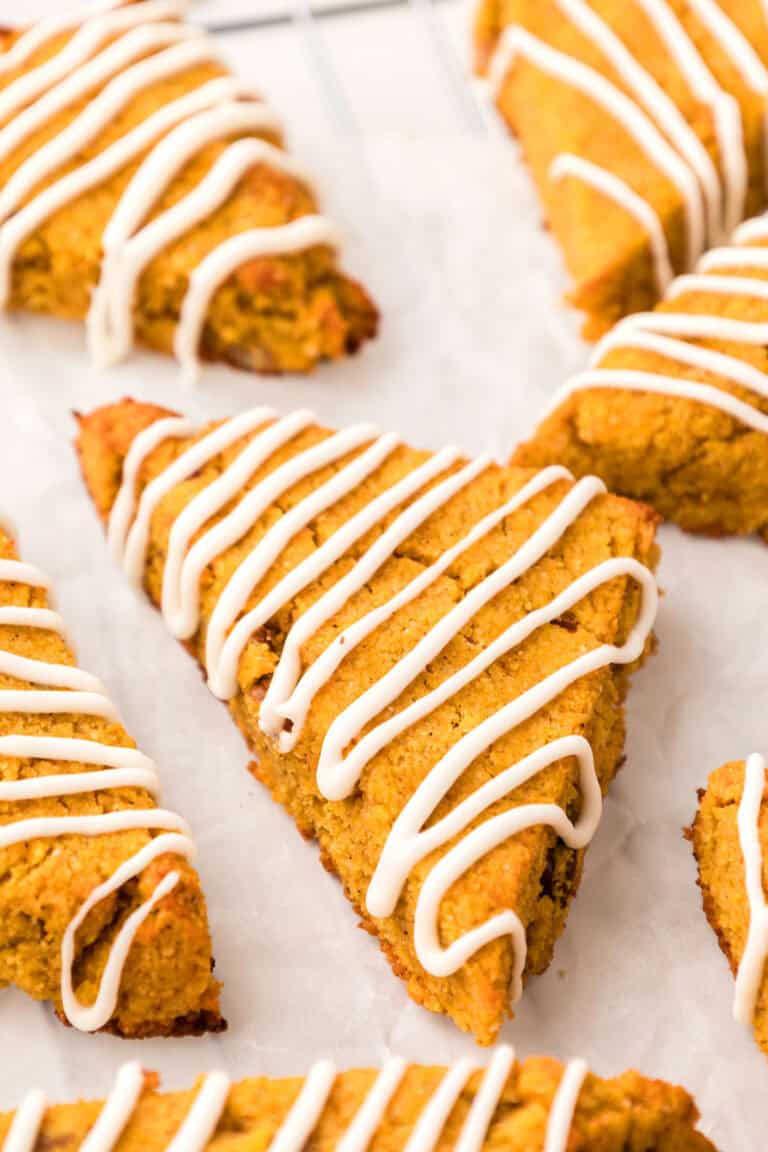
(414, 50)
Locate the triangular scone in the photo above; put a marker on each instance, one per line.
(101, 911)
(515, 1107)
(730, 842)
(132, 159)
(643, 122)
(400, 635)
(674, 408)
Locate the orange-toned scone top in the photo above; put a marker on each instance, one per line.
(428, 612)
(131, 159)
(62, 838)
(718, 844)
(526, 1111)
(674, 407)
(643, 122)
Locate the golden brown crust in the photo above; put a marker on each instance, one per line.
(626, 1114)
(167, 987)
(716, 846)
(606, 250)
(697, 465)
(275, 314)
(534, 873)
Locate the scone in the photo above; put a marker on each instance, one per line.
(534, 1106)
(145, 189)
(643, 122)
(730, 841)
(101, 911)
(427, 656)
(674, 408)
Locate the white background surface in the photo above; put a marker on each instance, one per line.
(442, 225)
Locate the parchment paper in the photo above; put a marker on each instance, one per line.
(442, 224)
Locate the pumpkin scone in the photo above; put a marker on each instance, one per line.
(730, 842)
(428, 657)
(537, 1105)
(145, 189)
(643, 123)
(674, 407)
(101, 911)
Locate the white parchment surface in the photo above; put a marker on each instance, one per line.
(442, 224)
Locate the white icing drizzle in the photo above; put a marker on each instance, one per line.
(147, 45)
(567, 165)
(289, 694)
(373, 1109)
(297, 236)
(652, 97)
(427, 1129)
(79, 694)
(719, 286)
(666, 334)
(104, 107)
(203, 1117)
(232, 624)
(733, 42)
(24, 1130)
(118, 1109)
(735, 257)
(726, 112)
(121, 271)
(652, 118)
(564, 1106)
(89, 175)
(751, 968)
(307, 1109)
(194, 1134)
(293, 1135)
(517, 42)
(752, 231)
(107, 69)
(88, 39)
(487, 1100)
(744, 57)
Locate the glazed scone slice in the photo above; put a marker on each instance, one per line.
(537, 1105)
(643, 122)
(428, 657)
(101, 910)
(133, 162)
(674, 406)
(730, 842)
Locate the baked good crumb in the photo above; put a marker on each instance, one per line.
(532, 1104)
(643, 127)
(407, 640)
(93, 854)
(146, 189)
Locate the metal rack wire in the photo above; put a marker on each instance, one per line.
(314, 19)
(334, 9)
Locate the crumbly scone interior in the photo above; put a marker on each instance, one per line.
(532, 873)
(167, 985)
